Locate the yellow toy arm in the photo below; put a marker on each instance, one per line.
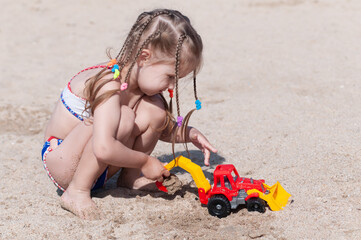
(194, 169)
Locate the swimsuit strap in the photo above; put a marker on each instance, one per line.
(89, 68)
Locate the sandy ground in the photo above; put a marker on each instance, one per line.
(281, 99)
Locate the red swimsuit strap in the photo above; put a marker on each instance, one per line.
(98, 66)
(89, 68)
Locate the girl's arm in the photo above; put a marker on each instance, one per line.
(194, 136)
(112, 124)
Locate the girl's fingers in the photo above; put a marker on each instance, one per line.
(205, 143)
(210, 147)
(207, 155)
(213, 149)
(202, 143)
(165, 174)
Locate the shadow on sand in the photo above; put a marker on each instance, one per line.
(196, 157)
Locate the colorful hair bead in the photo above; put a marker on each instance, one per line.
(123, 86)
(116, 66)
(116, 74)
(198, 104)
(112, 62)
(170, 93)
(179, 121)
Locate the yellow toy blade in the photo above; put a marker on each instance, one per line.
(277, 197)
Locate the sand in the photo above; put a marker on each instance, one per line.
(172, 184)
(280, 89)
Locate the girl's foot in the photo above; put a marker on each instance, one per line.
(80, 204)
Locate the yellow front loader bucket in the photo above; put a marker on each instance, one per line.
(275, 196)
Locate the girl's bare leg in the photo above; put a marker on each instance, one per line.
(64, 159)
(67, 159)
(76, 198)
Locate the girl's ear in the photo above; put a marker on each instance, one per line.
(144, 57)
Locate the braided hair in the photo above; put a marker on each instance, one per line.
(164, 30)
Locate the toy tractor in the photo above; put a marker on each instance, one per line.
(230, 190)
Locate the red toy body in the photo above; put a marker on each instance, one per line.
(228, 184)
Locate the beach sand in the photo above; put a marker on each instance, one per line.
(280, 91)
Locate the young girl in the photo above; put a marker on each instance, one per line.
(111, 116)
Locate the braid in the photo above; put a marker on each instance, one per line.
(125, 45)
(144, 26)
(177, 62)
(120, 55)
(140, 29)
(127, 40)
(145, 43)
(195, 85)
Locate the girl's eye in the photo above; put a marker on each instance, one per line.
(171, 77)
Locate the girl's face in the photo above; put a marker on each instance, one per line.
(156, 74)
(156, 78)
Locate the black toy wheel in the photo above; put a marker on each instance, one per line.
(256, 204)
(219, 206)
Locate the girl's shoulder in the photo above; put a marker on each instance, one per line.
(78, 81)
(156, 101)
(153, 105)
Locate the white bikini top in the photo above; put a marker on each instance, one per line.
(74, 103)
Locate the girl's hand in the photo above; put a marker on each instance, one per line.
(201, 142)
(153, 169)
